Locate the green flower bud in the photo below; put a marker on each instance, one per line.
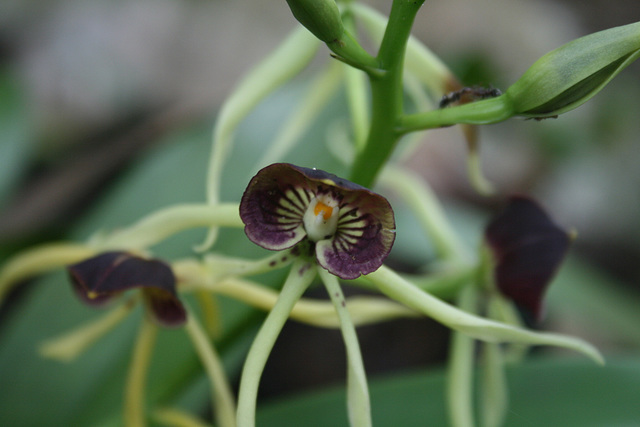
(321, 17)
(568, 76)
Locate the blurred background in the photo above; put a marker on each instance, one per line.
(94, 91)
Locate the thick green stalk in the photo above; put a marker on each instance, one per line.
(358, 404)
(386, 94)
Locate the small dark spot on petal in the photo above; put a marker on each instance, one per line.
(304, 269)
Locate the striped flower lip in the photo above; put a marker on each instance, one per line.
(528, 247)
(351, 228)
(99, 279)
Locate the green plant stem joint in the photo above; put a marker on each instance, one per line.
(386, 94)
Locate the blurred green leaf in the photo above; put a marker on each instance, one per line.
(14, 140)
(543, 393)
(609, 307)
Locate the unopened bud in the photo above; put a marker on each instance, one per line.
(568, 76)
(321, 17)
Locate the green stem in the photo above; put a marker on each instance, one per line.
(318, 94)
(67, 347)
(349, 51)
(293, 54)
(427, 209)
(301, 275)
(356, 90)
(386, 94)
(220, 266)
(460, 368)
(166, 222)
(363, 309)
(38, 260)
(210, 310)
(223, 404)
(487, 111)
(358, 402)
(401, 290)
(494, 391)
(134, 410)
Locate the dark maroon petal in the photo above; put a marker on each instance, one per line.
(88, 277)
(165, 306)
(349, 256)
(320, 177)
(528, 248)
(365, 233)
(100, 278)
(273, 206)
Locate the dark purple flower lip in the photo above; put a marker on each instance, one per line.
(353, 228)
(99, 279)
(528, 247)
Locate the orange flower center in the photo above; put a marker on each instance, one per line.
(323, 209)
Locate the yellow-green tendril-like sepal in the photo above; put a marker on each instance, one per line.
(301, 274)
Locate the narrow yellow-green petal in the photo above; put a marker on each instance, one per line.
(67, 347)
(401, 290)
(38, 260)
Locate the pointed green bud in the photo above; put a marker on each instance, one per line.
(568, 76)
(321, 17)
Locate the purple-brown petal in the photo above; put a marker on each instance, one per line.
(273, 206)
(89, 276)
(99, 278)
(528, 248)
(165, 306)
(349, 257)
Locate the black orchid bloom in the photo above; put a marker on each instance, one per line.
(528, 248)
(350, 228)
(99, 279)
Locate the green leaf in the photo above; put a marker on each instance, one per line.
(543, 392)
(14, 139)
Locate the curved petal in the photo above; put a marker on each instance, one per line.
(165, 306)
(348, 257)
(273, 206)
(528, 248)
(364, 237)
(89, 276)
(104, 276)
